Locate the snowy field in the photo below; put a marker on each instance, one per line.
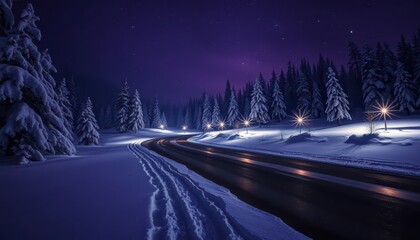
(120, 190)
(395, 150)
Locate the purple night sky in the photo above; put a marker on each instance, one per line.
(179, 50)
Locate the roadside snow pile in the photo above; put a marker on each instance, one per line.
(305, 137)
(396, 150)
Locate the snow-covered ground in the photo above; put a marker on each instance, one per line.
(395, 150)
(120, 190)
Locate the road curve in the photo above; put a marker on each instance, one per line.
(323, 201)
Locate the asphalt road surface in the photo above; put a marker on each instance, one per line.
(323, 201)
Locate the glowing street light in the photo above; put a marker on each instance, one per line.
(246, 124)
(161, 126)
(184, 128)
(384, 110)
(208, 126)
(222, 125)
(300, 120)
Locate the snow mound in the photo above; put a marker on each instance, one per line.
(304, 137)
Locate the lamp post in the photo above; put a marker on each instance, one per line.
(208, 126)
(246, 124)
(384, 112)
(300, 123)
(222, 125)
(161, 128)
(184, 128)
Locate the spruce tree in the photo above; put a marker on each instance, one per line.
(135, 120)
(372, 85)
(317, 108)
(163, 120)
(259, 111)
(87, 127)
(337, 103)
(63, 99)
(156, 120)
(206, 116)
(233, 112)
(303, 94)
(31, 118)
(215, 117)
(278, 106)
(122, 109)
(404, 89)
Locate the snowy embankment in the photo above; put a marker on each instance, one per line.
(106, 192)
(187, 206)
(394, 150)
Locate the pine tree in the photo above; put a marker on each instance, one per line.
(303, 93)
(337, 103)
(135, 120)
(404, 89)
(156, 120)
(87, 127)
(206, 117)
(372, 87)
(31, 118)
(215, 117)
(317, 108)
(233, 112)
(259, 111)
(122, 109)
(278, 107)
(63, 99)
(163, 120)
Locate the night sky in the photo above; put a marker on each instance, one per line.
(178, 49)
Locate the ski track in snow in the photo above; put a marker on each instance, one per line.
(180, 208)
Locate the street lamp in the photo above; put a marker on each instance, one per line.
(184, 128)
(300, 120)
(222, 125)
(161, 126)
(246, 124)
(208, 126)
(384, 110)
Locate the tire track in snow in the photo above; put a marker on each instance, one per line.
(180, 208)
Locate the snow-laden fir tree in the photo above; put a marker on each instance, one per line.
(278, 107)
(163, 120)
(63, 99)
(31, 118)
(206, 116)
(135, 119)
(87, 127)
(259, 111)
(233, 111)
(303, 94)
(317, 108)
(122, 109)
(216, 117)
(337, 103)
(372, 85)
(156, 121)
(404, 89)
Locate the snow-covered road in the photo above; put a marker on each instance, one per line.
(182, 209)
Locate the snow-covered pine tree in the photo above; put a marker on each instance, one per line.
(122, 108)
(404, 89)
(337, 103)
(135, 119)
(303, 93)
(156, 121)
(163, 120)
(278, 107)
(197, 116)
(259, 111)
(206, 116)
(317, 108)
(63, 99)
(372, 85)
(233, 111)
(31, 119)
(87, 127)
(216, 117)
